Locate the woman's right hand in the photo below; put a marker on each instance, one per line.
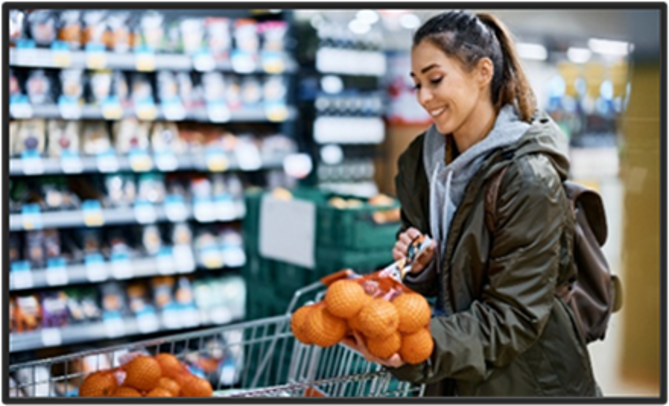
(402, 246)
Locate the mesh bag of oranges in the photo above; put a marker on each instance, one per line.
(391, 317)
(162, 375)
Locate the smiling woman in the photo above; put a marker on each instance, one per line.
(498, 327)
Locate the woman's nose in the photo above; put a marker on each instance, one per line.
(424, 96)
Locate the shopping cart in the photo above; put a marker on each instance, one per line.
(258, 358)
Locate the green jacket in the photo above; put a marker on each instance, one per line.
(505, 333)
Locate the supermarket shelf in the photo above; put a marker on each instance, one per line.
(77, 218)
(46, 58)
(77, 334)
(90, 112)
(89, 164)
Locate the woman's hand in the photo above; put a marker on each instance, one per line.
(402, 246)
(358, 344)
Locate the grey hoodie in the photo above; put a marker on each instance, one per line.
(448, 182)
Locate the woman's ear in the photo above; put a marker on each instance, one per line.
(485, 70)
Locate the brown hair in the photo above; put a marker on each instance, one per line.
(470, 37)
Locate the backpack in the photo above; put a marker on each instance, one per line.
(593, 294)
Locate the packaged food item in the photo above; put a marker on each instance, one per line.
(121, 189)
(82, 305)
(151, 240)
(233, 92)
(14, 85)
(54, 309)
(31, 136)
(129, 134)
(17, 20)
(165, 137)
(14, 247)
(172, 43)
(39, 87)
(218, 35)
(213, 85)
(200, 187)
(184, 292)
(118, 242)
(162, 291)
(218, 185)
(57, 196)
(138, 298)
(120, 87)
(101, 85)
(252, 92)
(63, 135)
(69, 29)
(14, 127)
(120, 37)
(246, 35)
(185, 85)
(52, 243)
(181, 234)
(95, 138)
(278, 144)
(141, 87)
(27, 313)
(42, 26)
(113, 299)
(71, 83)
(151, 187)
(95, 27)
(151, 30)
(275, 88)
(273, 35)
(192, 35)
(91, 240)
(168, 87)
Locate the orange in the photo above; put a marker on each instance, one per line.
(142, 373)
(385, 347)
(98, 384)
(345, 298)
(169, 364)
(298, 324)
(324, 329)
(354, 323)
(159, 393)
(378, 319)
(169, 385)
(196, 387)
(417, 347)
(414, 312)
(126, 392)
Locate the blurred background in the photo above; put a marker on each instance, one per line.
(150, 153)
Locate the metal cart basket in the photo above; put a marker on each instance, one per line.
(258, 358)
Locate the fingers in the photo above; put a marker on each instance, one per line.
(413, 234)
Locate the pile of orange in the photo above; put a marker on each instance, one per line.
(162, 375)
(388, 327)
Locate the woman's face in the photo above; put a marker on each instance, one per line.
(445, 90)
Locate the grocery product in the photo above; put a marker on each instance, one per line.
(71, 83)
(101, 85)
(414, 312)
(120, 39)
(324, 329)
(69, 28)
(31, 136)
(95, 138)
(416, 347)
(345, 299)
(39, 87)
(218, 37)
(95, 27)
(42, 25)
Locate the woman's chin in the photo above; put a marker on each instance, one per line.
(443, 128)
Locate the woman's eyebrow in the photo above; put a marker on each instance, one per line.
(427, 68)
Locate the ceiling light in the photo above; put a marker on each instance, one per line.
(532, 51)
(607, 47)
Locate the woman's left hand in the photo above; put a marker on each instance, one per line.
(358, 344)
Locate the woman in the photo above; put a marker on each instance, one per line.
(498, 328)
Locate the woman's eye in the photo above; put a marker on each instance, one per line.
(436, 81)
(416, 86)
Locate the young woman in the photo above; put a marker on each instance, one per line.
(498, 328)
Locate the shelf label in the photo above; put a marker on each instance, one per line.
(70, 161)
(218, 111)
(20, 276)
(243, 62)
(92, 212)
(31, 162)
(107, 162)
(56, 272)
(111, 108)
(31, 215)
(140, 160)
(175, 208)
(166, 161)
(165, 261)
(226, 210)
(145, 59)
(96, 57)
(51, 337)
(173, 109)
(203, 61)
(121, 266)
(183, 258)
(20, 107)
(69, 107)
(276, 111)
(96, 270)
(272, 62)
(146, 110)
(203, 210)
(216, 159)
(61, 55)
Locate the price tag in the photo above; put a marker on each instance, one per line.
(96, 270)
(173, 109)
(56, 272)
(276, 111)
(20, 276)
(114, 324)
(92, 212)
(272, 62)
(96, 57)
(234, 257)
(107, 162)
(203, 210)
(69, 108)
(146, 109)
(220, 315)
(165, 261)
(140, 160)
(243, 62)
(147, 320)
(216, 159)
(183, 258)
(31, 215)
(70, 161)
(226, 210)
(51, 337)
(121, 266)
(60, 52)
(211, 257)
(145, 59)
(31, 162)
(248, 156)
(218, 111)
(175, 208)
(20, 107)
(166, 161)
(111, 108)
(203, 61)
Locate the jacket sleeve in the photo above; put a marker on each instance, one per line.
(516, 300)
